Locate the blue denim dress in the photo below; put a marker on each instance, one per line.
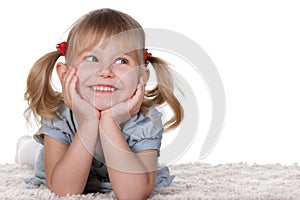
(141, 133)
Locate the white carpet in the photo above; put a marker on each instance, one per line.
(193, 181)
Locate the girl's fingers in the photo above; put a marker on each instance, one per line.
(66, 81)
(125, 110)
(66, 78)
(137, 100)
(69, 86)
(140, 90)
(83, 109)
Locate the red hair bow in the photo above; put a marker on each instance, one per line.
(62, 47)
(146, 55)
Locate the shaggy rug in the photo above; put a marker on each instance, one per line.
(192, 181)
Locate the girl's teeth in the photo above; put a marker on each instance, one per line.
(105, 89)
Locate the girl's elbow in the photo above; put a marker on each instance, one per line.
(63, 191)
(134, 194)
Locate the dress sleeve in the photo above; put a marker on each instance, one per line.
(144, 132)
(59, 128)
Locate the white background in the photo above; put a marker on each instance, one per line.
(255, 46)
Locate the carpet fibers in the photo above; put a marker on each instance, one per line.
(193, 181)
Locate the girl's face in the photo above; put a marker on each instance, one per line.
(107, 75)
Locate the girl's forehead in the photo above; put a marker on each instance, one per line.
(102, 42)
(115, 46)
(125, 42)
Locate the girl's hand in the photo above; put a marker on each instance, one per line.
(85, 112)
(123, 111)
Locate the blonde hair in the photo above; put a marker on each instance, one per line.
(44, 101)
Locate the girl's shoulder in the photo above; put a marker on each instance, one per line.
(144, 132)
(63, 127)
(144, 125)
(64, 116)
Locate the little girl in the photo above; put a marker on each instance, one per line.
(102, 132)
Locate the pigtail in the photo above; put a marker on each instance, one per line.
(163, 92)
(42, 100)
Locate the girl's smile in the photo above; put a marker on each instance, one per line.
(103, 89)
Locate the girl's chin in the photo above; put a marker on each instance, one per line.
(102, 107)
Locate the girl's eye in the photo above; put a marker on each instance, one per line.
(91, 59)
(121, 61)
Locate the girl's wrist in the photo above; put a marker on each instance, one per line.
(107, 116)
(108, 121)
(88, 123)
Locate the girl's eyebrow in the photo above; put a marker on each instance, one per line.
(125, 54)
(86, 53)
(130, 54)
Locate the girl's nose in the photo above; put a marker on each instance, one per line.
(106, 72)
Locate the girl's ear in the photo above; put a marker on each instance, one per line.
(61, 70)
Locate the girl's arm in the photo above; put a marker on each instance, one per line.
(132, 175)
(67, 167)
